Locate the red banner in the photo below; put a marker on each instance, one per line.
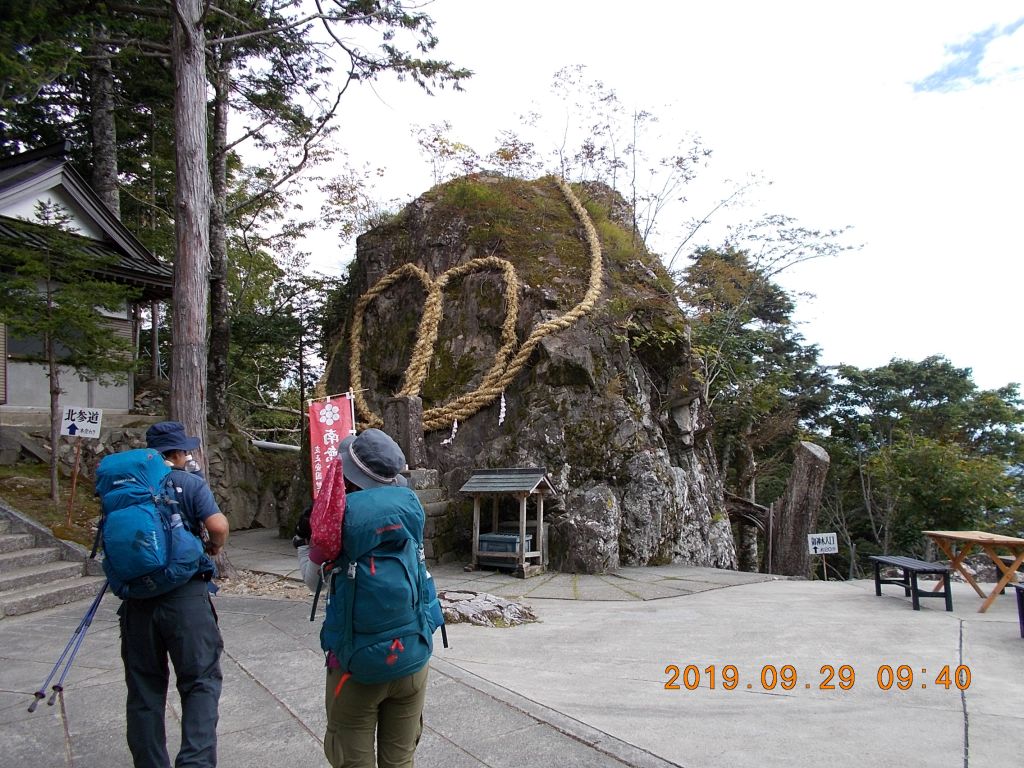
(330, 422)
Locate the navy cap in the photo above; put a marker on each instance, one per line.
(170, 436)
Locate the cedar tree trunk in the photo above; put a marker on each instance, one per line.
(220, 300)
(104, 127)
(191, 221)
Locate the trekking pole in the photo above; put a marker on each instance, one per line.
(71, 648)
(87, 622)
(59, 685)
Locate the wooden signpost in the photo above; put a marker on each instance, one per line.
(80, 423)
(822, 544)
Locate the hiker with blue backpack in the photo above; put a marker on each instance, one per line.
(382, 609)
(155, 559)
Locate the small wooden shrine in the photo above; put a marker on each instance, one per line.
(494, 547)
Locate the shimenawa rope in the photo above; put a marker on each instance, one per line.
(503, 371)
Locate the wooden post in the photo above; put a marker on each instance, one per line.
(154, 340)
(494, 515)
(522, 534)
(136, 329)
(74, 478)
(476, 532)
(540, 529)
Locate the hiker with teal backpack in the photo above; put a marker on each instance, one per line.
(381, 613)
(154, 512)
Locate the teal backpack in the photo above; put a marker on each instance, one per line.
(382, 608)
(147, 548)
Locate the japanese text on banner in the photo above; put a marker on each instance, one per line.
(330, 422)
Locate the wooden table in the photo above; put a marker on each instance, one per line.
(989, 543)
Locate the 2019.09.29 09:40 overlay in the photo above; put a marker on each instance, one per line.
(886, 677)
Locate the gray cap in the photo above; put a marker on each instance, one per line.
(372, 459)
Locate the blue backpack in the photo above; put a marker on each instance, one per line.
(382, 608)
(147, 548)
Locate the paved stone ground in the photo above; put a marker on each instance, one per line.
(586, 685)
(272, 710)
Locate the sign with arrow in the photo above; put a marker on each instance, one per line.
(822, 544)
(81, 422)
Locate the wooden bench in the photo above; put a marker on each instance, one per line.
(911, 570)
(1020, 605)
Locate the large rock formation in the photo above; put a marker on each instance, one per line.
(609, 405)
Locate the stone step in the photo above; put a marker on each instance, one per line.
(430, 495)
(436, 508)
(27, 557)
(423, 478)
(36, 598)
(13, 542)
(19, 578)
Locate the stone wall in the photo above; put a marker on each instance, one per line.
(254, 488)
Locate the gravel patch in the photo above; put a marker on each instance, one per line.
(253, 584)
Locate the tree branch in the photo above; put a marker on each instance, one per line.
(248, 135)
(724, 203)
(160, 13)
(291, 172)
(265, 405)
(142, 46)
(326, 18)
(148, 203)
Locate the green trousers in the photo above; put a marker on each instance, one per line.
(392, 710)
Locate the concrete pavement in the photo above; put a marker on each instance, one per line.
(586, 685)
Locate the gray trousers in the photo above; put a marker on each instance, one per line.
(182, 626)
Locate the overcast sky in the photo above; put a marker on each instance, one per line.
(903, 120)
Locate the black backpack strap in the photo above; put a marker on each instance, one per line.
(96, 541)
(324, 569)
(349, 608)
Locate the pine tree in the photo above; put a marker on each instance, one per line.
(53, 291)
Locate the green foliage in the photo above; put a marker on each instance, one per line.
(276, 313)
(39, 52)
(938, 485)
(525, 222)
(916, 446)
(913, 445)
(616, 243)
(447, 156)
(759, 377)
(483, 199)
(54, 291)
(284, 89)
(447, 377)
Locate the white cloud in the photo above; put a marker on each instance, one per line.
(1004, 57)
